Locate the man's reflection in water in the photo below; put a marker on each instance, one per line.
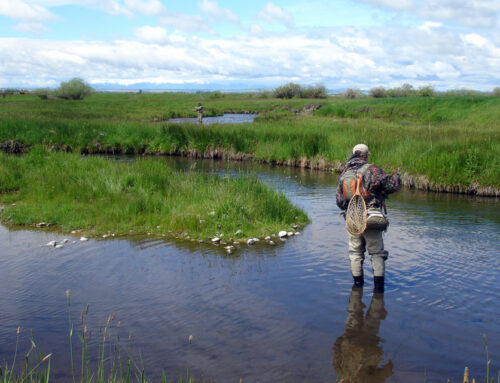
(357, 353)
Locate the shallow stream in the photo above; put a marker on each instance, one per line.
(281, 314)
(230, 118)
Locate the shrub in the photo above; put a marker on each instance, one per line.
(292, 90)
(496, 91)
(216, 94)
(405, 90)
(264, 94)
(426, 91)
(461, 92)
(74, 89)
(289, 90)
(316, 91)
(43, 93)
(378, 92)
(352, 93)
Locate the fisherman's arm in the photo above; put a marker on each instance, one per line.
(340, 199)
(380, 182)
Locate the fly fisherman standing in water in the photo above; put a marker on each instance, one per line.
(377, 186)
(199, 112)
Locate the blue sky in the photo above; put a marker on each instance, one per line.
(227, 44)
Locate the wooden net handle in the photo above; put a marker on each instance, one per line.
(358, 186)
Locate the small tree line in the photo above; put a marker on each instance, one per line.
(293, 90)
(407, 90)
(74, 89)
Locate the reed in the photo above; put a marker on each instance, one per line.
(105, 359)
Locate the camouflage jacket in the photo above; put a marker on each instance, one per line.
(375, 181)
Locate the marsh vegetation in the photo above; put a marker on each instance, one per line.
(464, 131)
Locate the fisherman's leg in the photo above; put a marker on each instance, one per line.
(357, 256)
(375, 246)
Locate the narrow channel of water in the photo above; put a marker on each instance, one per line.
(231, 118)
(281, 313)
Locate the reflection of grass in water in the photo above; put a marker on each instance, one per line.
(114, 363)
(100, 196)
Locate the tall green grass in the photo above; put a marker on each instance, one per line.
(465, 131)
(102, 196)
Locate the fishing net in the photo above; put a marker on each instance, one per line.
(355, 216)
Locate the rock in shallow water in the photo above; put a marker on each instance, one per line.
(83, 239)
(282, 234)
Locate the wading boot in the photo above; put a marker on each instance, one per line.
(358, 281)
(378, 285)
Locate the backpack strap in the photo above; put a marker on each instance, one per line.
(361, 173)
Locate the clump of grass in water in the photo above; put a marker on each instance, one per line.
(36, 367)
(114, 364)
(108, 369)
(488, 366)
(100, 195)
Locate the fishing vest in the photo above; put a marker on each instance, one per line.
(349, 180)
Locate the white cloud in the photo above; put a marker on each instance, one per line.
(112, 7)
(22, 10)
(151, 34)
(186, 23)
(31, 28)
(274, 14)
(213, 9)
(399, 4)
(474, 39)
(146, 7)
(474, 13)
(428, 26)
(350, 57)
(255, 29)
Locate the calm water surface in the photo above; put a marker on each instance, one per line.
(233, 118)
(283, 313)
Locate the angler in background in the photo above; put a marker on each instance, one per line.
(199, 112)
(375, 187)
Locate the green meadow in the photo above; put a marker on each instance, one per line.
(51, 182)
(464, 131)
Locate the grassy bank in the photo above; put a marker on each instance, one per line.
(102, 196)
(465, 132)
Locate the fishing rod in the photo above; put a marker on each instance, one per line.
(430, 139)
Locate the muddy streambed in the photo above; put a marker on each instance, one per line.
(281, 313)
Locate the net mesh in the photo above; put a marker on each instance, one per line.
(355, 216)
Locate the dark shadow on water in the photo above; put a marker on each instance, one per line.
(358, 356)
